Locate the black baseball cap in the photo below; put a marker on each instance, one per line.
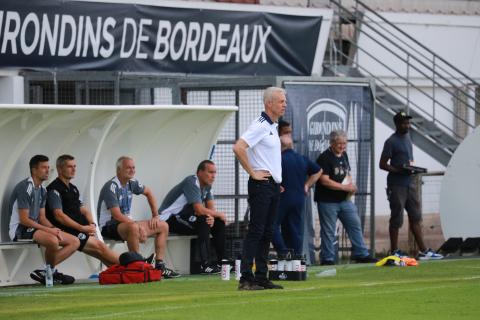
(402, 115)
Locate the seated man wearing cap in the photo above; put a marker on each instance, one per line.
(401, 189)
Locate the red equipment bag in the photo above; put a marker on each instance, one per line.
(134, 272)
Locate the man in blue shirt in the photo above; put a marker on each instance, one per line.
(298, 175)
(401, 190)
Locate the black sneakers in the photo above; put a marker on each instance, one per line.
(170, 274)
(166, 272)
(58, 278)
(38, 275)
(210, 269)
(366, 259)
(249, 285)
(267, 284)
(257, 285)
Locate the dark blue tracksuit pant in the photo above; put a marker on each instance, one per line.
(288, 227)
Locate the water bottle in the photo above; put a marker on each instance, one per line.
(48, 276)
(273, 265)
(238, 264)
(289, 263)
(303, 264)
(225, 269)
(296, 262)
(281, 262)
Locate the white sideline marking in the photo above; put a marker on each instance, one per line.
(371, 284)
(42, 291)
(274, 300)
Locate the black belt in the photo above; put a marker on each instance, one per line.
(269, 180)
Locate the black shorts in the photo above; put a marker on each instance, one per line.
(403, 198)
(83, 237)
(24, 233)
(110, 231)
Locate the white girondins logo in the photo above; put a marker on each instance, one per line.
(323, 117)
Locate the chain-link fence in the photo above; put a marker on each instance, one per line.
(94, 88)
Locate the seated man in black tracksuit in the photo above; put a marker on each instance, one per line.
(67, 212)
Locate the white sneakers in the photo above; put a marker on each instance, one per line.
(429, 254)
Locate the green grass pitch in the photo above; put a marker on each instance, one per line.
(448, 289)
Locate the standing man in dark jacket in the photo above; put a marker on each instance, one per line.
(298, 175)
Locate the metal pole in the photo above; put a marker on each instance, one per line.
(408, 83)
(372, 170)
(237, 166)
(87, 92)
(55, 88)
(433, 88)
(116, 95)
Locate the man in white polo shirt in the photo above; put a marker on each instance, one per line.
(258, 151)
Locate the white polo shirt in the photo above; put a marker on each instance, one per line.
(264, 152)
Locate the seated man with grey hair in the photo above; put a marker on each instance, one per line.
(114, 216)
(332, 194)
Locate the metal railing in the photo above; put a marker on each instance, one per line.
(441, 74)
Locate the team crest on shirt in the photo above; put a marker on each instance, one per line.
(339, 171)
(29, 189)
(113, 188)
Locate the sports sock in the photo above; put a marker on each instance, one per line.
(159, 264)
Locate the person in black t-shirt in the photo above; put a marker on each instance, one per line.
(332, 194)
(67, 212)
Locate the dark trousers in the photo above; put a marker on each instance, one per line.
(263, 198)
(202, 230)
(288, 227)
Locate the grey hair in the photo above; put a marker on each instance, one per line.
(120, 161)
(336, 135)
(269, 92)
